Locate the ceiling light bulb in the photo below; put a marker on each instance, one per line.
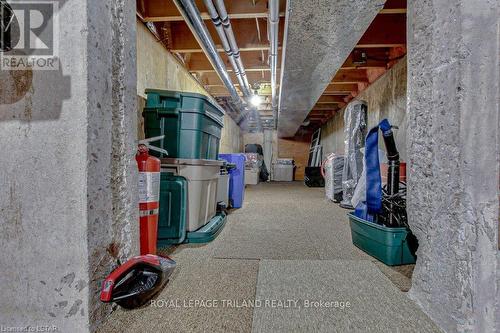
(255, 100)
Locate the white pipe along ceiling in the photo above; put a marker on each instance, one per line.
(192, 16)
(319, 36)
(273, 21)
(220, 19)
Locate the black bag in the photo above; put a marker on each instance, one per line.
(313, 177)
(254, 148)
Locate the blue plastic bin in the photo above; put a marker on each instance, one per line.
(236, 179)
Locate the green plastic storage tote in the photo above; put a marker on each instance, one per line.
(190, 122)
(389, 245)
(173, 209)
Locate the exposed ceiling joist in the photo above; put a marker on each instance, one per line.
(393, 11)
(211, 78)
(330, 108)
(330, 99)
(166, 9)
(386, 33)
(248, 48)
(256, 61)
(205, 16)
(350, 76)
(251, 59)
(244, 32)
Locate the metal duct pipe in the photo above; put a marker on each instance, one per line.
(193, 19)
(214, 15)
(274, 20)
(235, 51)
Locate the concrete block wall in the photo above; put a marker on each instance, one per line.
(453, 153)
(386, 98)
(68, 201)
(158, 68)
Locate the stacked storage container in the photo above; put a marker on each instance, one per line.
(191, 125)
(190, 122)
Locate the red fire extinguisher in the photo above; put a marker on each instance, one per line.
(149, 194)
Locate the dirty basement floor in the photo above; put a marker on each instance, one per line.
(287, 243)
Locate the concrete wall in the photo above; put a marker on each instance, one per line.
(158, 68)
(453, 155)
(232, 139)
(386, 98)
(68, 208)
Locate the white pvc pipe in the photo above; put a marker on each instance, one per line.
(273, 19)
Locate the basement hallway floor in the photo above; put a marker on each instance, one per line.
(287, 244)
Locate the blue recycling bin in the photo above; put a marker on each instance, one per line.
(236, 178)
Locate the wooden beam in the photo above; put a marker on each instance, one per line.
(229, 69)
(206, 17)
(394, 7)
(252, 60)
(344, 88)
(255, 61)
(325, 108)
(211, 78)
(330, 99)
(320, 115)
(340, 89)
(393, 11)
(329, 92)
(328, 106)
(165, 10)
(244, 31)
(141, 9)
(317, 115)
(350, 76)
(395, 4)
(375, 58)
(248, 48)
(385, 31)
(386, 45)
(374, 73)
(220, 90)
(167, 35)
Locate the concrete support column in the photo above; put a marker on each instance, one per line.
(68, 176)
(453, 152)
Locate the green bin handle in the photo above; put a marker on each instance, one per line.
(167, 111)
